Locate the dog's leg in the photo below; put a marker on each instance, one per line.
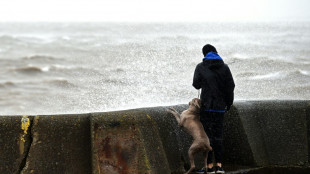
(176, 115)
(191, 153)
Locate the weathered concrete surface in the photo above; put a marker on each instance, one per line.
(14, 143)
(237, 149)
(60, 144)
(273, 170)
(126, 142)
(275, 130)
(175, 140)
(308, 129)
(165, 143)
(148, 140)
(257, 133)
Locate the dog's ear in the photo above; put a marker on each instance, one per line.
(197, 103)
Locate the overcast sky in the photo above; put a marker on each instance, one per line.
(154, 10)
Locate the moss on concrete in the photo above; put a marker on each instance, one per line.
(14, 143)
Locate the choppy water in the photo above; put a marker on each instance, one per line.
(50, 68)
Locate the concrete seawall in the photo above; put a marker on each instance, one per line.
(148, 140)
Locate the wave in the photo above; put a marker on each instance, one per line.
(40, 57)
(304, 88)
(60, 83)
(65, 67)
(269, 76)
(245, 74)
(8, 38)
(7, 84)
(15, 40)
(303, 72)
(29, 69)
(238, 56)
(278, 75)
(262, 60)
(26, 38)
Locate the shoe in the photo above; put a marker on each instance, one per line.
(219, 170)
(201, 171)
(210, 171)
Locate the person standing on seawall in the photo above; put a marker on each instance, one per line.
(213, 76)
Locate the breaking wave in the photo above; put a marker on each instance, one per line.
(29, 69)
(6, 84)
(279, 75)
(40, 57)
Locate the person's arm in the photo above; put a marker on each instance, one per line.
(230, 86)
(197, 78)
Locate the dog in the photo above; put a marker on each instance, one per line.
(190, 120)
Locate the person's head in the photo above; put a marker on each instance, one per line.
(208, 48)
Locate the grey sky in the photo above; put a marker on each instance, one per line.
(154, 10)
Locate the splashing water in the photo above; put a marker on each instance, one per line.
(50, 68)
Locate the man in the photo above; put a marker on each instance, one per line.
(213, 76)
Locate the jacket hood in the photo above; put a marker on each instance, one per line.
(213, 60)
(212, 56)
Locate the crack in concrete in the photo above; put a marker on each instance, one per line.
(26, 152)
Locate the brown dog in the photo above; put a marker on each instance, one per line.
(190, 120)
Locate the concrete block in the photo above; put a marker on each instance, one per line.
(249, 117)
(237, 150)
(308, 128)
(60, 144)
(276, 133)
(126, 142)
(175, 140)
(283, 125)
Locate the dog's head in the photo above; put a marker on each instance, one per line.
(196, 102)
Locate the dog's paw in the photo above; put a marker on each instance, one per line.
(171, 110)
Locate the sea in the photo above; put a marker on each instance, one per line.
(51, 68)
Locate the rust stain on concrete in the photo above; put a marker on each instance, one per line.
(118, 149)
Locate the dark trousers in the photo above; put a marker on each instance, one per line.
(213, 125)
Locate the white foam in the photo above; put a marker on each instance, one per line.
(240, 56)
(66, 38)
(270, 76)
(45, 69)
(303, 72)
(68, 67)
